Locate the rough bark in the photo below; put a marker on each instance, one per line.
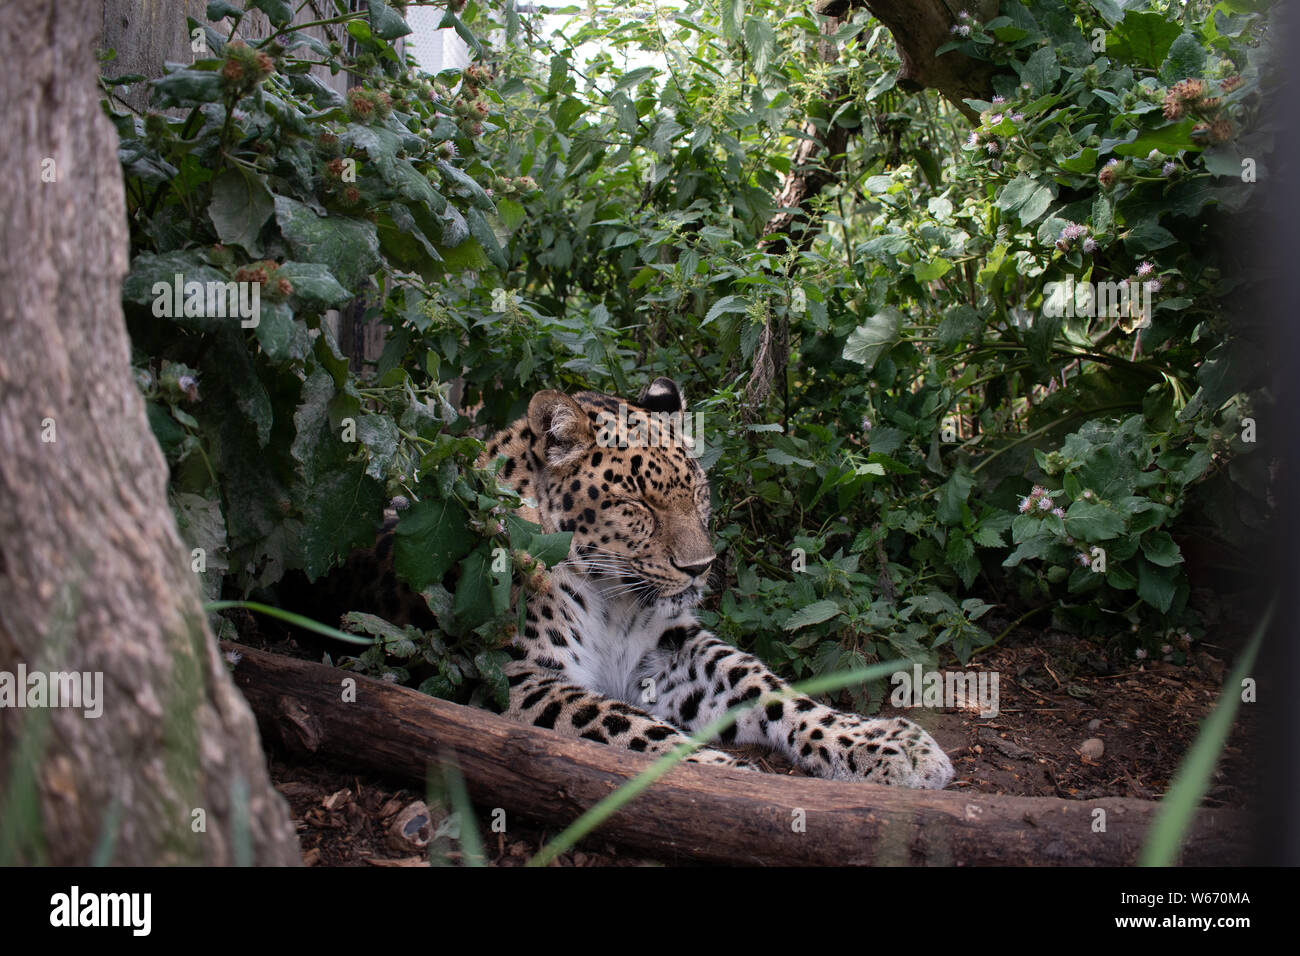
(93, 577)
(920, 28)
(700, 813)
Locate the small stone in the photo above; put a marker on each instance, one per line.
(1092, 748)
(1094, 724)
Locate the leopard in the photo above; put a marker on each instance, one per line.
(611, 649)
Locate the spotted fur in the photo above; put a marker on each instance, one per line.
(611, 650)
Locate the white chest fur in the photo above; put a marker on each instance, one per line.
(617, 637)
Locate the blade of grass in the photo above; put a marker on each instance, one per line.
(602, 811)
(471, 844)
(1192, 780)
(288, 617)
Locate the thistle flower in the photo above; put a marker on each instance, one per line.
(1145, 269)
(1059, 512)
(992, 147)
(1221, 130)
(1044, 504)
(1140, 654)
(1025, 505)
(1168, 169)
(1090, 245)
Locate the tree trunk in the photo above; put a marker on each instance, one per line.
(93, 577)
(920, 28)
(701, 813)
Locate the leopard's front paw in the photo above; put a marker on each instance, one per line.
(892, 751)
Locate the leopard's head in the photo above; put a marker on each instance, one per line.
(622, 476)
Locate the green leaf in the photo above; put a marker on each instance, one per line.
(430, 537)
(277, 11)
(952, 495)
(241, 204)
(217, 9)
(727, 304)
(760, 40)
(385, 22)
(380, 436)
(929, 271)
(1161, 549)
(1084, 161)
(1186, 59)
(186, 88)
(960, 324)
(872, 338)
(559, 73)
(314, 288)
(481, 230)
(1142, 38)
(633, 77)
(459, 179)
(778, 457)
(550, 549)
(1092, 521)
(1146, 237)
(275, 330)
(474, 604)
(813, 613)
(1026, 197)
(511, 212)
(1041, 71)
(347, 247)
(1157, 585)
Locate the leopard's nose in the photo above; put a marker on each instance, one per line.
(694, 568)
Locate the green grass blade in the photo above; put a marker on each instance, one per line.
(471, 843)
(1192, 780)
(289, 617)
(603, 810)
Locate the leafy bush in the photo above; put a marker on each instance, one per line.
(949, 425)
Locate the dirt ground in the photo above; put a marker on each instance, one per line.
(1070, 725)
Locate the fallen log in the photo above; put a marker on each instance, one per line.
(698, 813)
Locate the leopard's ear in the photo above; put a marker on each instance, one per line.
(663, 395)
(561, 426)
